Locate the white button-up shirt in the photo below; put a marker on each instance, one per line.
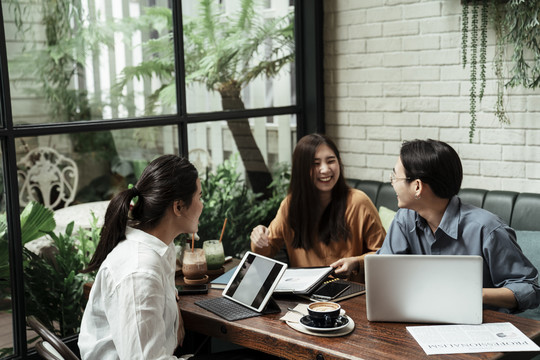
(132, 312)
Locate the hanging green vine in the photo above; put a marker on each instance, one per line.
(498, 63)
(474, 53)
(516, 23)
(483, 48)
(464, 32)
(478, 24)
(524, 33)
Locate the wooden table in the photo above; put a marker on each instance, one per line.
(369, 340)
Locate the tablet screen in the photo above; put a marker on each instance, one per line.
(254, 281)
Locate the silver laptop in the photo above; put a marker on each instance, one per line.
(444, 289)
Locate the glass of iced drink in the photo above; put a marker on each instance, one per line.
(215, 256)
(194, 264)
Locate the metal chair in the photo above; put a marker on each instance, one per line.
(48, 177)
(46, 351)
(50, 340)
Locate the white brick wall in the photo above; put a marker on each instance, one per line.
(393, 72)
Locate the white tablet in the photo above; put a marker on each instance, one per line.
(254, 281)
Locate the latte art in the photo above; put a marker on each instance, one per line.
(324, 308)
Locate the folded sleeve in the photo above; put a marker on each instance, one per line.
(511, 269)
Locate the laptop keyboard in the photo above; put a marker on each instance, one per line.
(226, 308)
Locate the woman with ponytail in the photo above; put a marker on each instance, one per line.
(132, 311)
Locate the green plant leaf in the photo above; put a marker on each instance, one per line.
(36, 220)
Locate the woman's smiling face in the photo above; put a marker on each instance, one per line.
(325, 170)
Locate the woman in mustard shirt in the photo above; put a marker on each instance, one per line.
(322, 221)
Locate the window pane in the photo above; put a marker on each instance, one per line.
(211, 143)
(6, 319)
(102, 163)
(225, 174)
(96, 60)
(231, 67)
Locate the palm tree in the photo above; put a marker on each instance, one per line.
(220, 52)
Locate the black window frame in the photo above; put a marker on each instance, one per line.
(309, 111)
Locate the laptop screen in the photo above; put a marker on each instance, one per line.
(254, 281)
(443, 289)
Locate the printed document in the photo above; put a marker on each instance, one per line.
(454, 339)
(302, 280)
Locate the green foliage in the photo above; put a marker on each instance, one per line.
(498, 62)
(516, 23)
(69, 36)
(36, 220)
(225, 195)
(474, 60)
(217, 49)
(522, 18)
(220, 49)
(53, 283)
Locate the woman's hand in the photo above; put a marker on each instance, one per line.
(346, 266)
(259, 236)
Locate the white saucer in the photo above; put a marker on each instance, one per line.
(332, 333)
(325, 329)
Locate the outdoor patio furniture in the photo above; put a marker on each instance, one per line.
(48, 177)
(50, 340)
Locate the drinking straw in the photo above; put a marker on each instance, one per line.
(192, 242)
(223, 229)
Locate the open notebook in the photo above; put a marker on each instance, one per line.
(424, 288)
(248, 292)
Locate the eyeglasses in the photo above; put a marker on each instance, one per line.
(394, 178)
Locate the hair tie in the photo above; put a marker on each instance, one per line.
(135, 191)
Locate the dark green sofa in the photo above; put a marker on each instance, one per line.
(520, 210)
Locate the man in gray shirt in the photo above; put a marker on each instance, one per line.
(432, 220)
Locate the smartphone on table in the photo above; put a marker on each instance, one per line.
(330, 290)
(192, 289)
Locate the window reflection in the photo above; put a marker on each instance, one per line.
(95, 60)
(211, 143)
(235, 64)
(6, 319)
(52, 262)
(106, 161)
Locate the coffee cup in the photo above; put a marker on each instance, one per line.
(194, 264)
(324, 313)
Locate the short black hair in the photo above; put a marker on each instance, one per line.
(435, 163)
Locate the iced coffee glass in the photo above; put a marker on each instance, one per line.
(194, 264)
(215, 256)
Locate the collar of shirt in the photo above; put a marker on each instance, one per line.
(148, 240)
(449, 222)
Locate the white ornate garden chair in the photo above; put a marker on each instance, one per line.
(48, 177)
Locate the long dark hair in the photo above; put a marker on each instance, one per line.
(435, 163)
(304, 200)
(166, 179)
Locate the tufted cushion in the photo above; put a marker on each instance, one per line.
(386, 216)
(370, 187)
(526, 214)
(387, 197)
(500, 203)
(473, 197)
(530, 244)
